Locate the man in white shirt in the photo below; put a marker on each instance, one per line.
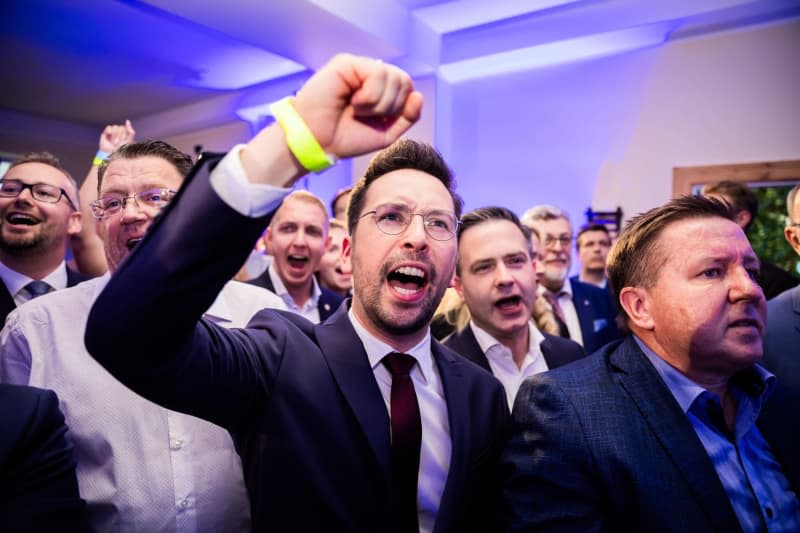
(297, 237)
(496, 278)
(361, 423)
(140, 467)
(38, 214)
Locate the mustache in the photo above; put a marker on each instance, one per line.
(419, 257)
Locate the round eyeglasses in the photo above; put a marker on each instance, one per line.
(393, 219)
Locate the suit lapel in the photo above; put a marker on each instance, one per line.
(6, 302)
(350, 367)
(465, 343)
(551, 356)
(459, 417)
(673, 430)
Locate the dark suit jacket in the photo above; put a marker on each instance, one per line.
(38, 487)
(300, 400)
(327, 304)
(782, 358)
(774, 280)
(556, 351)
(601, 444)
(597, 315)
(7, 299)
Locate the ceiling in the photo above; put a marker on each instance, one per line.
(89, 62)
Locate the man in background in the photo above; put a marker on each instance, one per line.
(586, 313)
(297, 237)
(496, 278)
(593, 244)
(38, 215)
(334, 272)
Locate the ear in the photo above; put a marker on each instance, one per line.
(743, 218)
(328, 240)
(347, 248)
(635, 301)
(792, 237)
(457, 285)
(75, 223)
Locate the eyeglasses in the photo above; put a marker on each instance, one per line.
(550, 241)
(112, 204)
(42, 192)
(393, 219)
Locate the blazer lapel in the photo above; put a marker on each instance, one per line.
(456, 397)
(350, 367)
(6, 303)
(464, 343)
(673, 430)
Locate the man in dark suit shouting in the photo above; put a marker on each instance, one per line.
(361, 423)
(661, 431)
(496, 278)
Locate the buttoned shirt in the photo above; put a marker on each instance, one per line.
(436, 444)
(759, 492)
(308, 310)
(140, 467)
(15, 282)
(501, 360)
(568, 308)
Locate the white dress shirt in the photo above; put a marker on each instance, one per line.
(15, 282)
(230, 182)
(308, 310)
(501, 360)
(140, 467)
(239, 302)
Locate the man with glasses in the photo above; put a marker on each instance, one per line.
(586, 314)
(361, 423)
(38, 215)
(140, 467)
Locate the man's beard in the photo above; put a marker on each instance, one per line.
(370, 297)
(21, 244)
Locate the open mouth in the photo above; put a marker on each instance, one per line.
(131, 244)
(746, 323)
(22, 219)
(407, 280)
(510, 303)
(297, 261)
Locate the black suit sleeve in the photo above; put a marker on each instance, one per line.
(39, 489)
(146, 327)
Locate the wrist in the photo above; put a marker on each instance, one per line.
(299, 137)
(100, 157)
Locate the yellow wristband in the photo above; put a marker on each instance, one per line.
(97, 161)
(299, 138)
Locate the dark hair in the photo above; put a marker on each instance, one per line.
(46, 158)
(181, 161)
(341, 192)
(740, 196)
(636, 259)
(403, 154)
(590, 227)
(478, 216)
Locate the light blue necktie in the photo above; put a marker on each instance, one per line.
(37, 288)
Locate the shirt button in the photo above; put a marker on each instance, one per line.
(184, 504)
(177, 444)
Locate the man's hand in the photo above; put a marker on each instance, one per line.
(115, 135)
(356, 105)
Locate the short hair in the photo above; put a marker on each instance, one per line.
(49, 159)
(543, 212)
(740, 196)
(341, 192)
(181, 161)
(336, 223)
(403, 154)
(790, 198)
(590, 227)
(636, 259)
(478, 216)
(302, 195)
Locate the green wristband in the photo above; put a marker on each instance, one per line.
(299, 138)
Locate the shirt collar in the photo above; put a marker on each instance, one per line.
(15, 281)
(283, 292)
(377, 349)
(486, 341)
(755, 381)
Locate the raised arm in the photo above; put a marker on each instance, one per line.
(87, 247)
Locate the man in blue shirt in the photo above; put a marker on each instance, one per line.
(660, 431)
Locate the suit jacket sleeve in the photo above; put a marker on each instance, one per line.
(146, 327)
(547, 464)
(39, 489)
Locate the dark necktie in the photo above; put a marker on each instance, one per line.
(37, 288)
(406, 441)
(558, 312)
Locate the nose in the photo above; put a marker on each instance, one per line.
(415, 235)
(503, 275)
(745, 287)
(132, 211)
